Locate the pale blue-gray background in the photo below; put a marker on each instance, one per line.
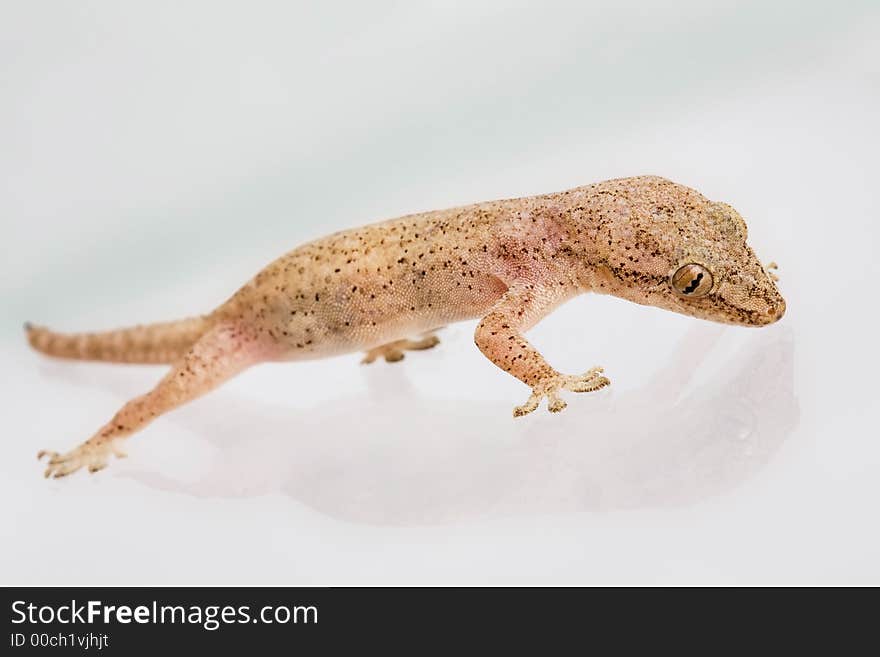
(155, 155)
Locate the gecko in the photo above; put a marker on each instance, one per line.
(386, 288)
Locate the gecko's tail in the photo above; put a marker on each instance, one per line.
(155, 343)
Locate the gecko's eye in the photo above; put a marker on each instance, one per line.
(692, 281)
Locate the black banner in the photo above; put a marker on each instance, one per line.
(410, 620)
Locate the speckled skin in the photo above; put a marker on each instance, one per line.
(506, 262)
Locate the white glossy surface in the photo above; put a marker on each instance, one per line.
(154, 160)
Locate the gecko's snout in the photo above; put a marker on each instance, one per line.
(773, 313)
(770, 316)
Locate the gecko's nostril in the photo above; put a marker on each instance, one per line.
(775, 313)
(780, 309)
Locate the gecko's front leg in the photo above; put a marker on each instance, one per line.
(499, 337)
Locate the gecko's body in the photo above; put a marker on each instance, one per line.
(507, 262)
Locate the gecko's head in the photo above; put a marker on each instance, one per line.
(690, 255)
(717, 276)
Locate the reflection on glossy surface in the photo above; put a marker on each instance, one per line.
(399, 458)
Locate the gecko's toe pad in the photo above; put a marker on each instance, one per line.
(555, 403)
(587, 382)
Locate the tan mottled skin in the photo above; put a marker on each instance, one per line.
(507, 262)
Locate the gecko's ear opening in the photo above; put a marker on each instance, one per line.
(729, 220)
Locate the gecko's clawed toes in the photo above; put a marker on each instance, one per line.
(92, 456)
(530, 405)
(587, 382)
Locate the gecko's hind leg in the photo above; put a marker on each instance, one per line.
(393, 351)
(220, 354)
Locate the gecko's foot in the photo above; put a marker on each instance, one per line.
(393, 351)
(586, 382)
(91, 454)
(771, 268)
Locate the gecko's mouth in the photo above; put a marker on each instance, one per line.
(749, 317)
